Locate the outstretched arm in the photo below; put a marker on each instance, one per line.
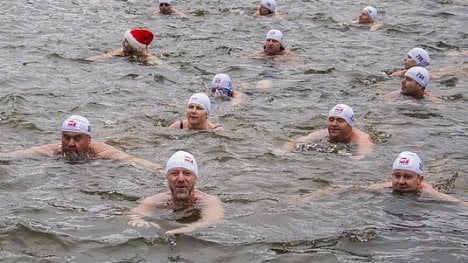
(137, 215)
(48, 150)
(117, 52)
(212, 213)
(106, 151)
(289, 146)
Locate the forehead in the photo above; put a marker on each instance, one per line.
(336, 118)
(404, 172)
(73, 134)
(179, 169)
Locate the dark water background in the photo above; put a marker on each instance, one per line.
(55, 212)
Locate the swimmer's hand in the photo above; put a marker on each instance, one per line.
(181, 230)
(138, 222)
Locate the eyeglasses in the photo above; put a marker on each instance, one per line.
(164, 4)
(221, 91)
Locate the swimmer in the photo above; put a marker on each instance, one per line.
(181, 175)
(77, 146)
(198, 110)
(340, 129)
(267, 8)
(407, 177)
(274, 46)
(221, 87)
(368, 16)
(414, 85)
(166, 8)
(135, 44)
(415, 57)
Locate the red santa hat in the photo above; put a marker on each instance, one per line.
(139, 38)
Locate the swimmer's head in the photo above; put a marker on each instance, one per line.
(222, 85)
(420, 56)
(139, 38)
(182, 159)
(202, 100)
(418, 74)
(372, 12)
(408, 161)
(275, 34)
(269, 4)
(78, 124)
(343, 111)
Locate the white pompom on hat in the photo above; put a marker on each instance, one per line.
(275, 34)
(372, 12)
(343, 111)
(182, 159)
(408, 161)
(139, 38)
(76, 123)
(418, 74)
(420, 56)
(269, 4)
(202, 100)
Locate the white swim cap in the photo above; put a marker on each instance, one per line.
(276, 35)
(182, 159)
(269, 4)
(372, 12)
(343, 111)
(165, 1)
(418, 74)
(420, 56)
(408, 161)
(76, 123)
(222, 80)
(202, 100)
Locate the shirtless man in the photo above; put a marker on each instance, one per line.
(78, 146)
(415, 57)
(135, 44)
(368, 16)
(267, 8)
(166, 8)
(198, 110)
(414, 85)
(340, 129)
(274, 46)
(181, 175)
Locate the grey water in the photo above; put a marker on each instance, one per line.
(52, 211)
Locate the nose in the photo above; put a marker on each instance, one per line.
(180, 177)
(71, 142)
(401, 180)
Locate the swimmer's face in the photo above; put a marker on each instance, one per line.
(406, 181)
(364, 18)
(76, 143)
(409, 62)
(263, 11)
(196, 114)
(272, 47)
(409, 86)
(165, 8)
(181, 182)
(338, 130)
(128, 49)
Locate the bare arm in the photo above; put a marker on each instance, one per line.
(138, 214)
(212, 213)
(48, 150)
(106, 151)
(366, 145)
(313, 136)
(427, 188)
(117, 52)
